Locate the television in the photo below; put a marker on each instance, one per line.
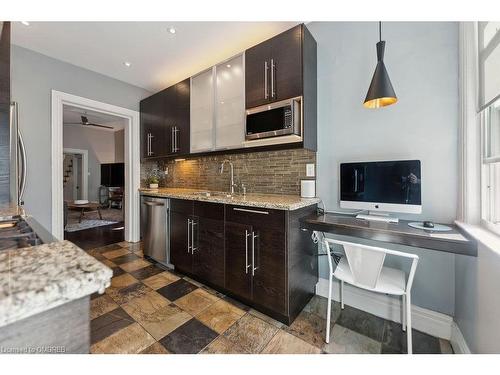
(384, 186)
(113, 174)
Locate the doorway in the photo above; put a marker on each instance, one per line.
(128, 123)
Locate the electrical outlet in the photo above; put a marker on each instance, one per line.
(310, 170)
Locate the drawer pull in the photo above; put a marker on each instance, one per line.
(251, 211)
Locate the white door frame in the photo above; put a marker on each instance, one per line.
(132, 160)
(85, 168)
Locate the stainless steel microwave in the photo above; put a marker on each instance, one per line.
(274, 119)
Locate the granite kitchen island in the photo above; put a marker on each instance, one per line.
(45, 297)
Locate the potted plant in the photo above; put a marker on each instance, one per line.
(153, 182)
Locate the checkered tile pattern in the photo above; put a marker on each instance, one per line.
(149, 310)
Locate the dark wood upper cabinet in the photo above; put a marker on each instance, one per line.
(257, 74)
(281, 68)
(273, 69)
(154, 138)
(165, 122)
(182, 118)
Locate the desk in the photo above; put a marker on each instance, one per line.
(455, 241)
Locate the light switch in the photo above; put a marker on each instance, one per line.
(310, 170)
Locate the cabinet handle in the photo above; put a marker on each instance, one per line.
(273, 67)
(189, 237)
(176, 139)
(251, 211)
(246, 251)
(172, 139)
(151, 136)
(148, 145)
(192, 237)
(254, 236)
(266, 90)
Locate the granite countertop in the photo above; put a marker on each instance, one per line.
(271, 201)
(36, 279)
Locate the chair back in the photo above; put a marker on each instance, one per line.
(365, 264)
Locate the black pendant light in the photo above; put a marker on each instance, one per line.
(380, 93)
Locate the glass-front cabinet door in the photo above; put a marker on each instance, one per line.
(230, 104)
(202, 112)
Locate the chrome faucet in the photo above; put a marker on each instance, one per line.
(221, 170)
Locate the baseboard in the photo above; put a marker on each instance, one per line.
(431, 322)
(457, 340)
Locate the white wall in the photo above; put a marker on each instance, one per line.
(422, 61)
(33, 77)
(101, 147)
(120, 146)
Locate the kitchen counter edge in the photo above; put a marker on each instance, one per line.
(269, 201)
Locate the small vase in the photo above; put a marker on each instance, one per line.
(153, 186)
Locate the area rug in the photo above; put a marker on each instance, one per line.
(87, 224)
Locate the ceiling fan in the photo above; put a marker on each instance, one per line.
(85, 122)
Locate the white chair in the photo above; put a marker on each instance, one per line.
(363, 267)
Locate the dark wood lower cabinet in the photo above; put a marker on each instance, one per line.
(259, 256)
(269, 275)
(208, 244)
(180, 255)
(238, 259)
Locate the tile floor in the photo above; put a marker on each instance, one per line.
(152, 311)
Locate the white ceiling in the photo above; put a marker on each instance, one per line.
(72, 115)
(159, 58)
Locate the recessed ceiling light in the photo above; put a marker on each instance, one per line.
(127, 64)
(25, 23)
(228, 65)
(171, 30)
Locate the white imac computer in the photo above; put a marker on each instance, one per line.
(381, 187)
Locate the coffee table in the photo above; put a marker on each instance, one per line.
(87, 207)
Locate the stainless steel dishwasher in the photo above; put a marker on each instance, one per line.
(155, 225)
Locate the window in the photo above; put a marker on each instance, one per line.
(490, 170)
(489, 103)
(489, 62)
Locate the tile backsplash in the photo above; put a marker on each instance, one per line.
(267, 172)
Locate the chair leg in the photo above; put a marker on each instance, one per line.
(329, 310)
(342, 295)
(403, 308)
(408, 324)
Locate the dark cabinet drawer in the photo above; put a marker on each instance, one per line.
(181, 206)
(272, 219)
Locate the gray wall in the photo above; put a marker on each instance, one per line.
(33, 77)
(422, 61)
(477, 299)
(101, 145)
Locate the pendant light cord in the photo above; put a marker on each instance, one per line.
(380, 31)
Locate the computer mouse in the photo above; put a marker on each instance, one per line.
(428, 224)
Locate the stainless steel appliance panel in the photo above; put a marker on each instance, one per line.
(156, 228)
